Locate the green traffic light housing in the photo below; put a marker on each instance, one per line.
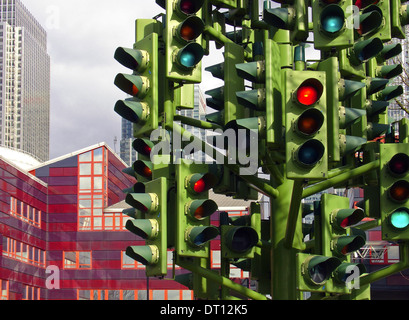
(200, 236)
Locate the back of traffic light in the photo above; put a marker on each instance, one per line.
(143, 85)
(184, 49)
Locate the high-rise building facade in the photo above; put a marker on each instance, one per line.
(24, 81)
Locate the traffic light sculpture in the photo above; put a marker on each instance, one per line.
(304, 97)
(312, 125)
(151, 201)
(184, 49)
(394, 191)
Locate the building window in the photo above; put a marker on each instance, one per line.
(25, 212)
(77, 259)
(92, 191)
(134, 294)
(23, 252)
(4, 293)
(31, 293)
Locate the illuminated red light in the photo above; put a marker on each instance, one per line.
(307, 95)
(200, 186)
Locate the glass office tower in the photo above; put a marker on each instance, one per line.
(24, 81)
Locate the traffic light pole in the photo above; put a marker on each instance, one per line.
(283, 258)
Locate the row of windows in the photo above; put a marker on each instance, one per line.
(83, 260)
(135, 295)
(25, 212)
(23, 252)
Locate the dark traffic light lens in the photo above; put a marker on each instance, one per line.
(399, 191)
(310, 122)
(191, 28)
(399, 164)
(310, 152)
(190, 6)
(243, 239)
(400, 219)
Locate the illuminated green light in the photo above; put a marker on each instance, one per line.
(400, 219)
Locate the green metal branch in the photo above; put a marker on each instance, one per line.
(197, 123)
(293, 214)
(261, 185)
(389, 270)
(343, 177)
(210, 275)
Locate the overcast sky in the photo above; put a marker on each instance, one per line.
(82, 38)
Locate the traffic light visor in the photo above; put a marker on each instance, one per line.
(136, 60)
(320, 268)
(133, 111)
